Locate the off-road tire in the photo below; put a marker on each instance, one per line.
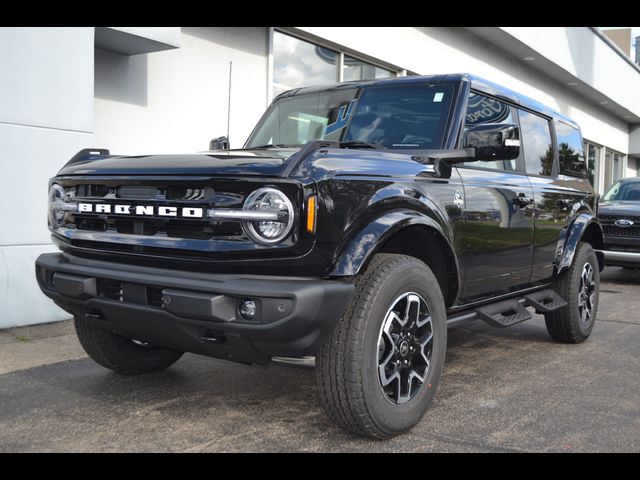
(346, 366)
(121, 354)
(564, 325)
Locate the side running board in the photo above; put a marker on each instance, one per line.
(503, 314)
(513, 311)
(545, 301)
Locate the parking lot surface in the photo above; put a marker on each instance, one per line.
(502, 390)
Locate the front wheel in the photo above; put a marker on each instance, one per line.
(378, 372)
(120, 354)
(580, 288)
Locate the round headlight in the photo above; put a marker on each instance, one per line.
(269, 200)
(57, 198)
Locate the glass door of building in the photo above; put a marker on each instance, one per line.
(593, 152)
(613, 167)
(608, 169)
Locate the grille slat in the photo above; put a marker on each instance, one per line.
(621, 232)
(189, 229)
(613, 218)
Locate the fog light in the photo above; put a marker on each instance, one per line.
(248, 309)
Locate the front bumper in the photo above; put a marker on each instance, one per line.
(621, 251)
(197, 312)
(621, 259)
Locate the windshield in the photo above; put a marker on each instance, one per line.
(410, 116)
(624, 191)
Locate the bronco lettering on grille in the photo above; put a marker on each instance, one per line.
(141, 210)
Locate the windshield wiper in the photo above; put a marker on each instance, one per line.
(269, 145)
(361, 144)
(347, 144)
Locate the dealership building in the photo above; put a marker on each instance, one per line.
(142, 90)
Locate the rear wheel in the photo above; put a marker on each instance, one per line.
(378, 372)
(580, 288)
(121, 354)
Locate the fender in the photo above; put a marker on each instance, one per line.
(571, 237)
(360, 248)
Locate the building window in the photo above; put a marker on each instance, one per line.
(613, 162)
(354, 69)
(299, 63)
(593, 152)
(536, 143)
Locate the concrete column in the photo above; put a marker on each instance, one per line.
(46, 116)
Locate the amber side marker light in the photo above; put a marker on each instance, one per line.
(311, 214)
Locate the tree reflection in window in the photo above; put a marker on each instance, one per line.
(570, 152)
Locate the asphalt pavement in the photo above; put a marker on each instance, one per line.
(503, 390)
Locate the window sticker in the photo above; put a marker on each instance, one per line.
(438, 97)
(342, 119)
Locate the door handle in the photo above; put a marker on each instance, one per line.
(521, 200)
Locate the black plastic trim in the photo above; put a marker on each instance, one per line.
(296, 326)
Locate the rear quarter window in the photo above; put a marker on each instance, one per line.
(570, 151)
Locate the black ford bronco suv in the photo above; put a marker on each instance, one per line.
(358, 222)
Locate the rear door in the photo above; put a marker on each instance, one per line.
(554, 195)
(498, 239)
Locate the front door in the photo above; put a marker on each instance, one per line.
(498, 238)
(497, 246)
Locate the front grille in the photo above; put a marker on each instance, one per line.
(609, 228)
(614, 231)
(143, 233)
(195, 194)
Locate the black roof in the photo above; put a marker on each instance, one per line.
(477, 83)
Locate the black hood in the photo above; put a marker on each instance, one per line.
(270, 162)
(619, 208)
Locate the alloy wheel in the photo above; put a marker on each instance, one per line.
(586, 293)
(405, 344)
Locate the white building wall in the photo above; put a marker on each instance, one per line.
(435, 50)
(46, 116)
(176, 101)
(582, 53)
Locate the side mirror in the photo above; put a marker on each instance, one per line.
(220, 143)
(493, 141)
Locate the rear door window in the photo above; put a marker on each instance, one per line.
(536, 143)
